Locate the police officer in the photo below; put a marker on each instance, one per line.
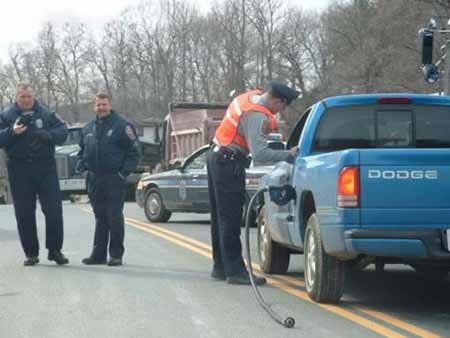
(29, 133)
(109, 153)
(242, 131)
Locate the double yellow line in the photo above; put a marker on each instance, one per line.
(294, 287)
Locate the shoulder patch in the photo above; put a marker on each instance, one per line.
(130, 133)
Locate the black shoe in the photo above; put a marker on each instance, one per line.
(244, 279)
(57, 257)
(115, 261)
(93, 261)
(30, 261)
(218, 275)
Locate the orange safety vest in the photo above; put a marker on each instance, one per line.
(228, 131)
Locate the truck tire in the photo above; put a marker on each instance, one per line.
(155, 211)
(324, 274)
(273, 258)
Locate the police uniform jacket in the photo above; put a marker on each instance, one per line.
(109, 146)
(24, 147)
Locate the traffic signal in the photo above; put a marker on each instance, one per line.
(427, 46)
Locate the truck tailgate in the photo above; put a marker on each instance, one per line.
(405, 187)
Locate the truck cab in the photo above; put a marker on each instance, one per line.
(71, 182)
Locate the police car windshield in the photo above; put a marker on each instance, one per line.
(383, 127)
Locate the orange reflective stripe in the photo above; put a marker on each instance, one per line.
(228, 131)
(236, 107)
(240, 141)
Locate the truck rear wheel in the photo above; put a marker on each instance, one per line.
(324, 274)
(154, 207)
(273, 258)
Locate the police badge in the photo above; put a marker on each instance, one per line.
(39, 123)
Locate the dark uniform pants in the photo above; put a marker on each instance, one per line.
(28, 181)
(107, 196)
(226, 184)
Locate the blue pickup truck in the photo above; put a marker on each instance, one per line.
(371, 184)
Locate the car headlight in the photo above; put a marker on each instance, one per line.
(252, 181)
(141, 185)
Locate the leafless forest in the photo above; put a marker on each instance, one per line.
(158, 52)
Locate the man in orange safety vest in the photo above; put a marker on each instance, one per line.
(248, 119)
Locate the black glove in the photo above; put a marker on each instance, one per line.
(41, 137)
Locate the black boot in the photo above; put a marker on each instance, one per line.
(30, 261)
(243, 278)
(92, 260)
(218, 275)
(115, 261)
(57, 257)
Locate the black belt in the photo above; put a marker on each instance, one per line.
(232, 154)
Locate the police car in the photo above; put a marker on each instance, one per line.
(186, 189)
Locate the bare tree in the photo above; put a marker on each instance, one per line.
(46, 62)
(72, 60)
(163, 51)
(266, 17)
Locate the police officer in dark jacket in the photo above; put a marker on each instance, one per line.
(29, 133)
(109, 153)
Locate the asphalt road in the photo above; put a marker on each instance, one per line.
(163, 290)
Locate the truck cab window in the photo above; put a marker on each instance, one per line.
(432, 127)
(297, 132)
(344, 128)
(394, 129)
(73, 137)
(375, 126)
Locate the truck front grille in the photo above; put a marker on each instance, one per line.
(62, 166)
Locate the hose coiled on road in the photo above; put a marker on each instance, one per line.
(288, 322)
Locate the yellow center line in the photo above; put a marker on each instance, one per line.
(195, 242)
(171, 239)
(396, 322)
(275, 282)
(202, 245)
(279, 282)
(294, 280)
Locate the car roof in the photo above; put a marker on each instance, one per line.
(372, 99)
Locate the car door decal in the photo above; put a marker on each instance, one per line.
(182, 191)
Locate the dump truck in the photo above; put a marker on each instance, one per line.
(188, 126)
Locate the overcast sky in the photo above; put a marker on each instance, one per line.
(20, 20)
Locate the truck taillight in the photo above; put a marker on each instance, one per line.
(348, 188)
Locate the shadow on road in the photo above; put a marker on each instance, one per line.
(398, 290)
(401, 291)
